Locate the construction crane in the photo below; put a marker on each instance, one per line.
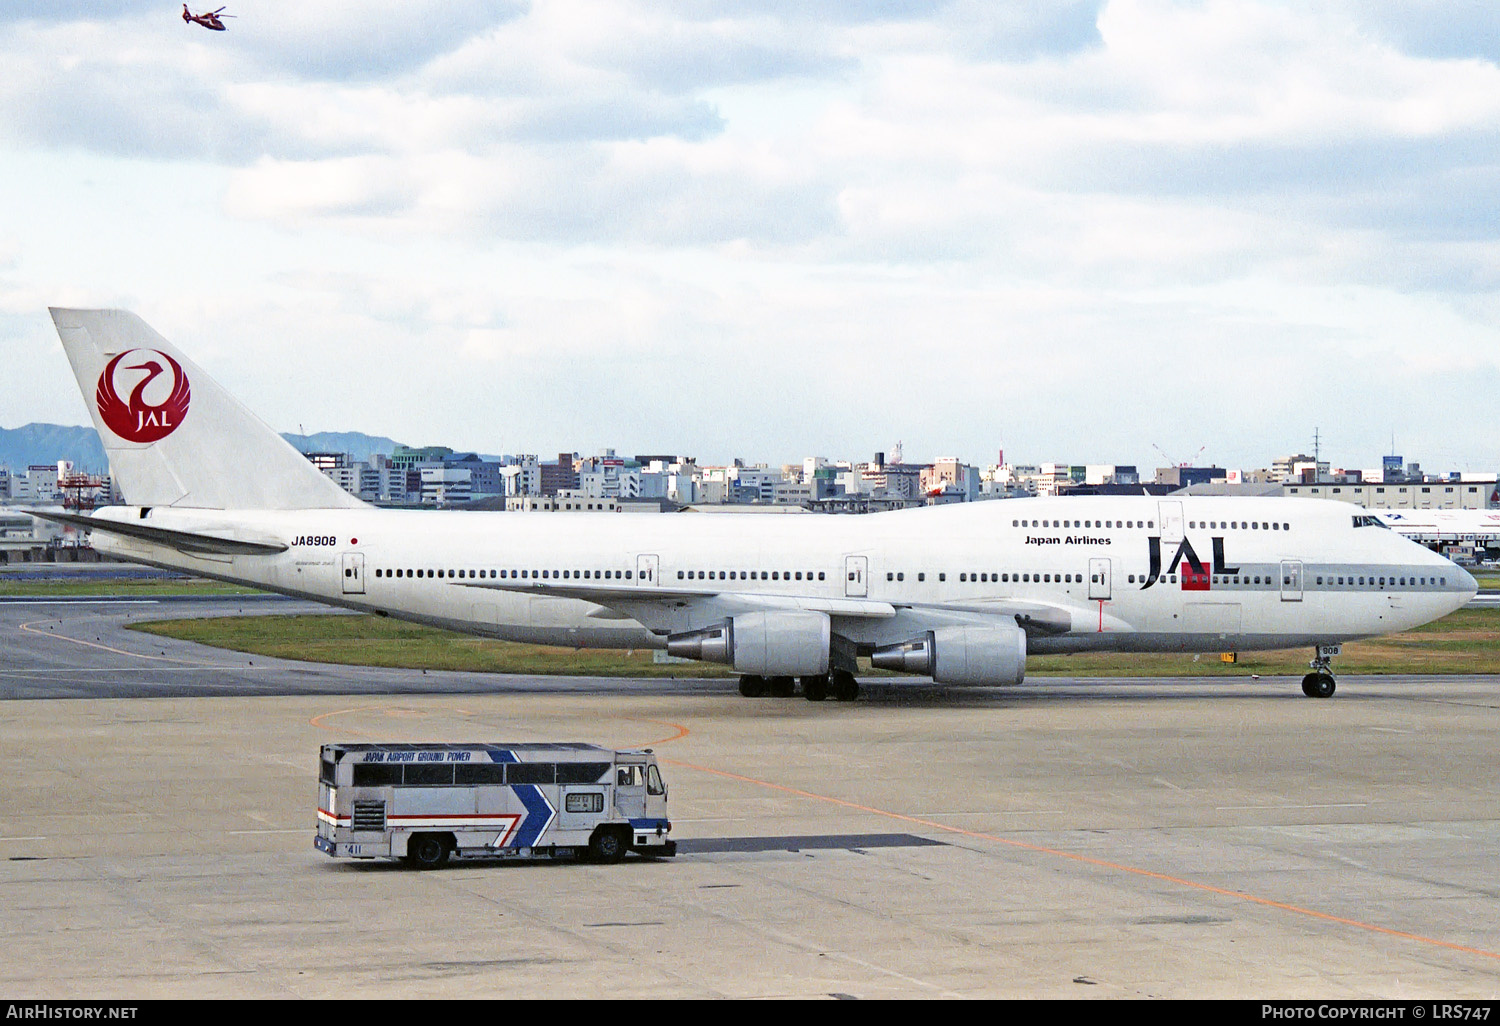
(1184, 463)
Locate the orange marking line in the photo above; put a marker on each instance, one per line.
(1209, 888)
(681, 732)
(117, 651)
(316, 720)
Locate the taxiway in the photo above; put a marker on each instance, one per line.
(1066, 838)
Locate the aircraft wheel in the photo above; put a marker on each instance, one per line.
(1318, 685)
(815, 689)
(845, 688)
(782, 687)
(752, 686)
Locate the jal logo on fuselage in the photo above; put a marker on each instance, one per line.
(158, 395)
(1195, 574)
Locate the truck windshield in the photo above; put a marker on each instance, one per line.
(653, 781)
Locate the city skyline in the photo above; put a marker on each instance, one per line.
(336, 441)
(1097, 227)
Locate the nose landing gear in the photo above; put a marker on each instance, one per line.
(1320, 683)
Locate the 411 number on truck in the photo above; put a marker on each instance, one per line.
(427, 803)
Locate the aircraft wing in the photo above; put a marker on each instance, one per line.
(183, 541)
(669, 610)
(1033, 617)
(673, 610)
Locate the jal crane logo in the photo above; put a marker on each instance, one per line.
(138, 419)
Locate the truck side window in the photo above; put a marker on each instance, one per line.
(376, 774)
(531, 773)
(628, 776)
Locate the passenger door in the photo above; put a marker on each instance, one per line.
(856, 576)
(1099, 578)
(646, 570)
(354, 573)
(1291, 580)
(1171, 522)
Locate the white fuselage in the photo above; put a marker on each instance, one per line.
(1104, 573)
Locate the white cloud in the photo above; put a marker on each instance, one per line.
(738, 228)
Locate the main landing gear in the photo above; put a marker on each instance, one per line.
(840, 684)
(1320, 683)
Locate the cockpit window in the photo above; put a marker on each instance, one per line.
(1369, 521)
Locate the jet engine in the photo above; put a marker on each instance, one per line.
(960, 655)
(775, 643)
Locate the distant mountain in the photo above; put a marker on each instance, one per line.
(360, 446)
(47, 443)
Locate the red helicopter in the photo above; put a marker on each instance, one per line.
(209, 20)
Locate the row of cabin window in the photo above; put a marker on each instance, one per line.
(1230, 579)
(750, 575)
(1382, 582)
(595, 575)
(1349, 581)
(1215, 525)
(1091, 524)
(996, 578)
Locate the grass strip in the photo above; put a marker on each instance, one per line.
(1467, 641)
(122, 588)
(383, 641)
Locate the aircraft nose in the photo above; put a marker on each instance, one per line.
(1466, 580)
(1467, 586)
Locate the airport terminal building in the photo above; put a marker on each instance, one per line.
(1462, 494)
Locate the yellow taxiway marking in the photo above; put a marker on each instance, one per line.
(29, 628)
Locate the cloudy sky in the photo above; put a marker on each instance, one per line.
(1083, 230)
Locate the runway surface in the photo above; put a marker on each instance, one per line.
(1065, 838)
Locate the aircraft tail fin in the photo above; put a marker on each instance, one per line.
(174, 436)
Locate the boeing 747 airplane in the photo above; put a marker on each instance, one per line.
(961, 593)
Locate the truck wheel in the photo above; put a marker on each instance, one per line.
(427, 851)
(606, 846)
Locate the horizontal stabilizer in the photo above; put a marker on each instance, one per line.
(183, 541)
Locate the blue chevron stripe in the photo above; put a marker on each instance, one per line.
(539, 813)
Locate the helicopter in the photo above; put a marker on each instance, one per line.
(209, 19)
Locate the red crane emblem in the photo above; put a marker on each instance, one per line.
(134, 419)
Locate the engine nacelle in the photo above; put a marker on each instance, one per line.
(960, 655)
(774, 643)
